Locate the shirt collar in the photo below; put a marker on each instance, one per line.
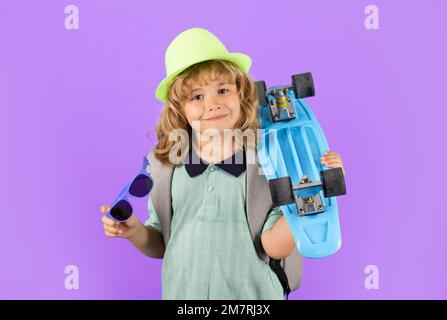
(196, 166)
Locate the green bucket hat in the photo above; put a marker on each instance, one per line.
(193, 46)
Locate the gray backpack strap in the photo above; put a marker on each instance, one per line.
(293, 267)
(259, 203)
(161, 193)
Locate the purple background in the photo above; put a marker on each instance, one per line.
(78, 112)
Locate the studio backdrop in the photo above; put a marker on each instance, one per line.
(78, 113)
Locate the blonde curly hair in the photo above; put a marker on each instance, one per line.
(173, 116)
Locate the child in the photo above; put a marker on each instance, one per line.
(201, 217)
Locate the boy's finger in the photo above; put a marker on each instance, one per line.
(333, 164)
(104, 208)
(333, 161)
(331, 158)
(112, 235)
(112, 230)
(108, 221)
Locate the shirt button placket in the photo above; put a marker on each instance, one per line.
(211, 201)
(210, 204)
(212, 169)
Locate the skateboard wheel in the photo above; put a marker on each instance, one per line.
(282, 191)
(333, 182)
(262, 92)
(304, 85)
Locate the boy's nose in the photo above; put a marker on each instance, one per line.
(213, 104)
(213, 107)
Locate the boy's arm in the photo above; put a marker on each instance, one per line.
(278, 241)
(148, 241)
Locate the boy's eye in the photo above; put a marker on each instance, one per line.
(197, 97)
(223, 91)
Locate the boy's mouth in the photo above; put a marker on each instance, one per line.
(216, 118)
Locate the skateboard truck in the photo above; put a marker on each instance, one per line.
(308, 198)
(281, 106)
(306, 195)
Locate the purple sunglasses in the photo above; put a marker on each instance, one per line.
(141, 185)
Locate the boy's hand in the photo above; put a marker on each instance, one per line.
(332, 160)
(116, 229)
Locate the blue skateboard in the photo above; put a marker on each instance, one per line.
(291, 144)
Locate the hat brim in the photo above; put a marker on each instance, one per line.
(241, 60)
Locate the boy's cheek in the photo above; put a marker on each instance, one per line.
(193, 115)
(233, 100)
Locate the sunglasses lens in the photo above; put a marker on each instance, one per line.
(121, 210)
(140, 186)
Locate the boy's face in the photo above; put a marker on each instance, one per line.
(215, 105)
